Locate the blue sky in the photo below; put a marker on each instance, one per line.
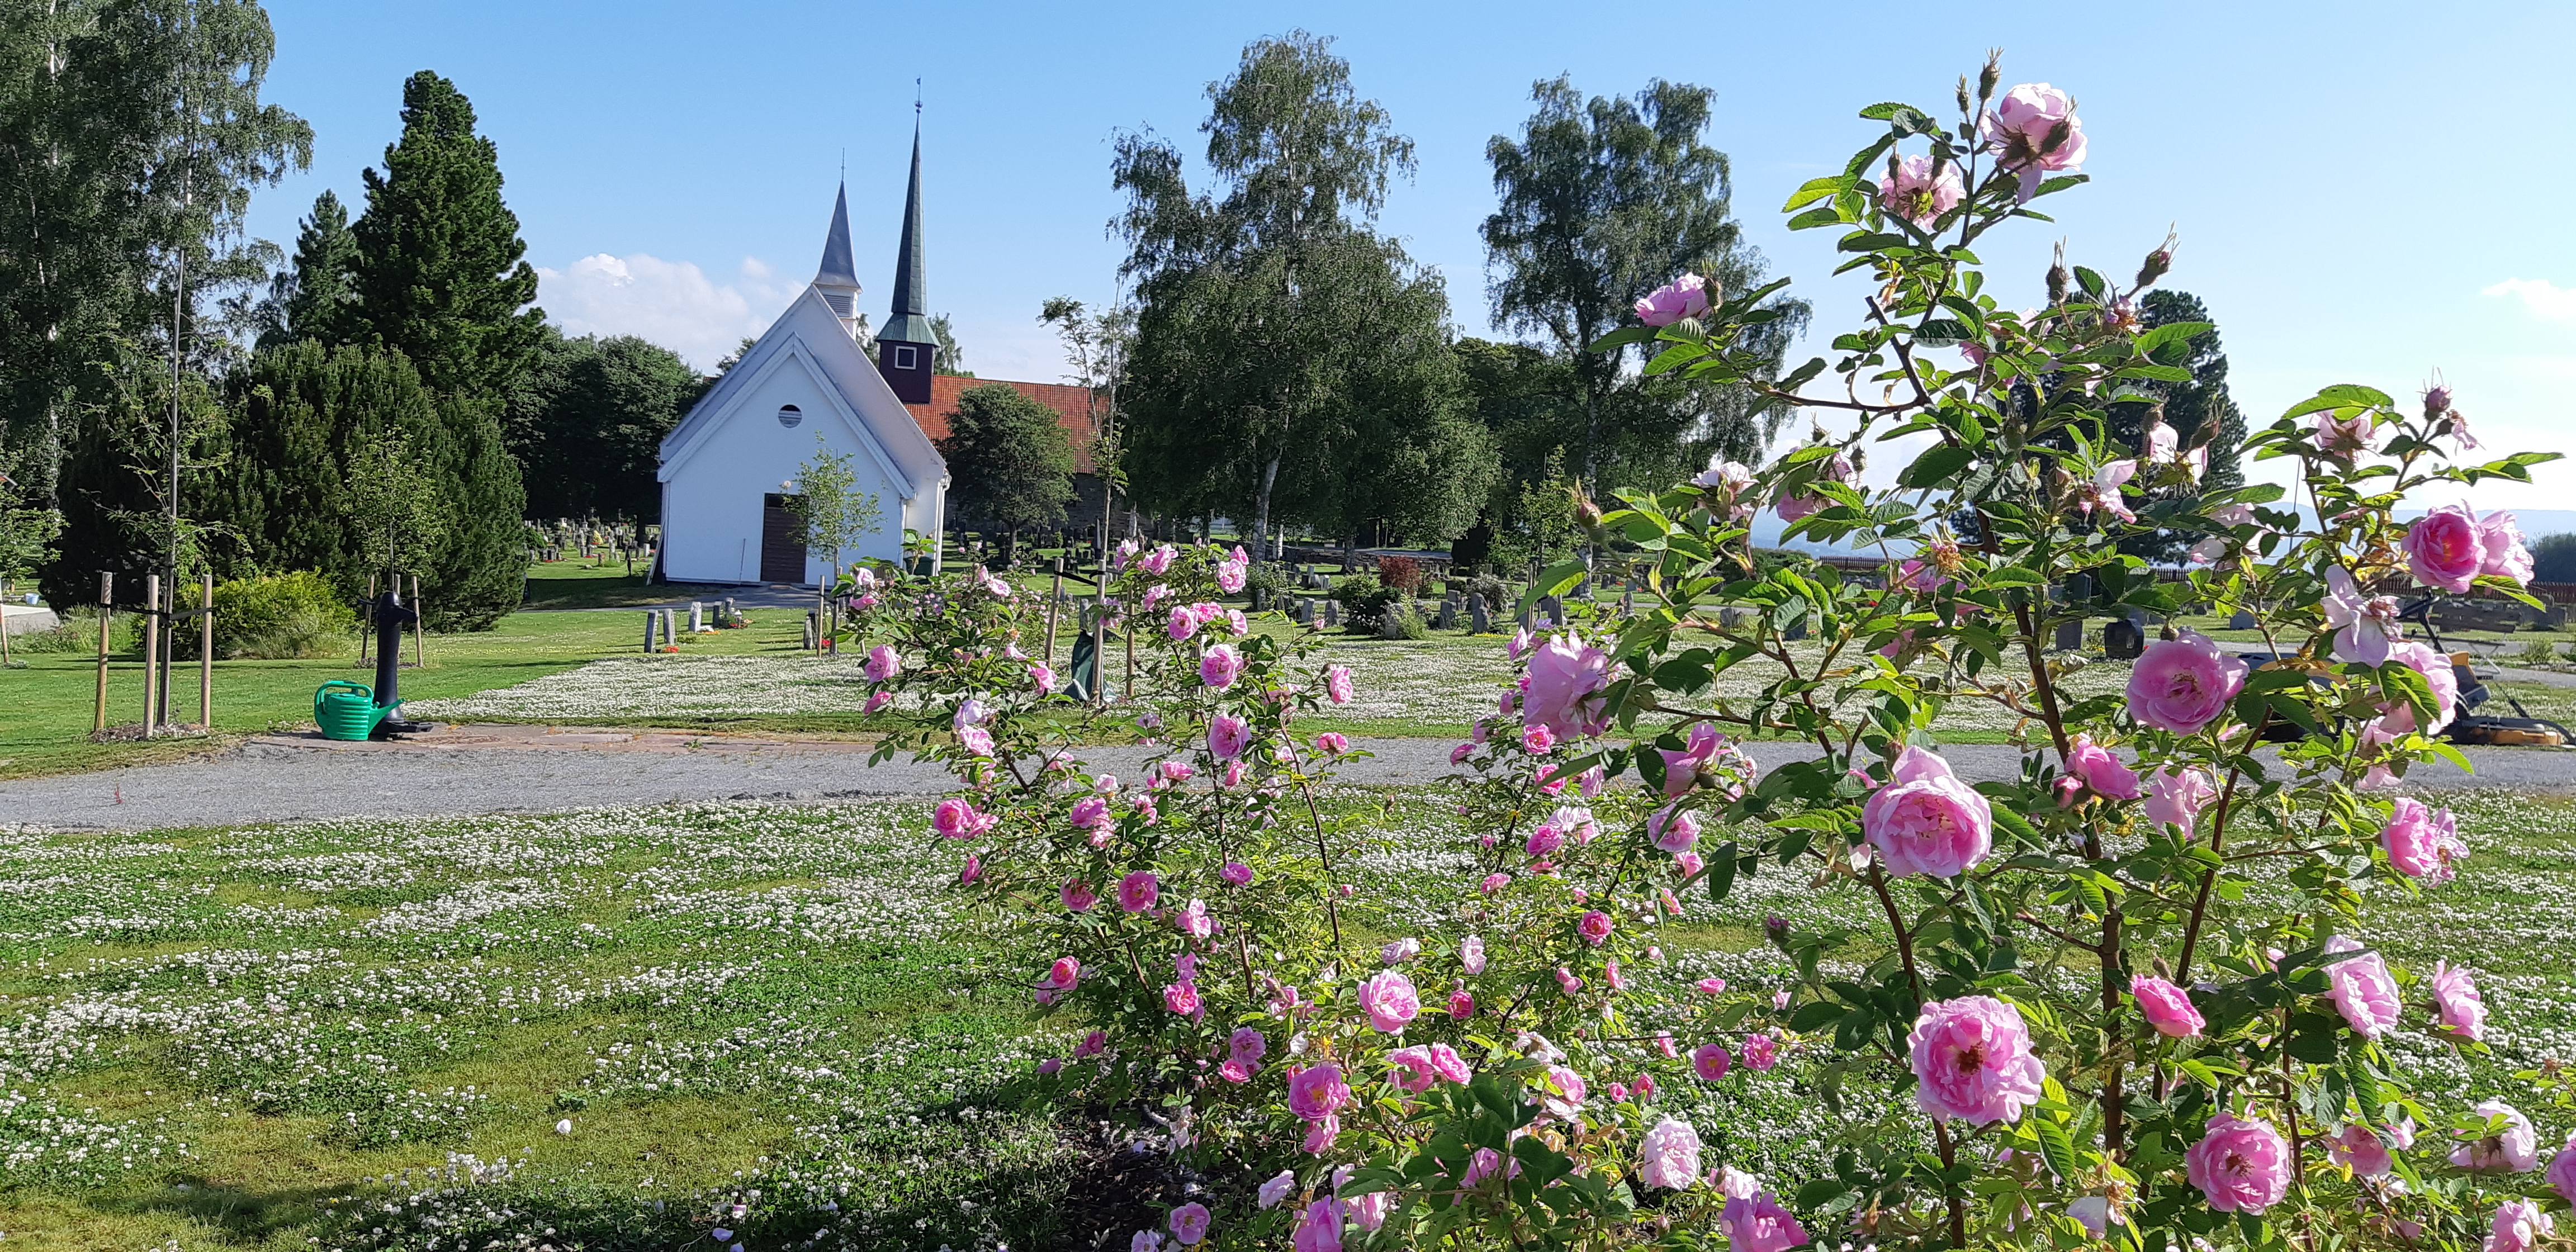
(2365, 192)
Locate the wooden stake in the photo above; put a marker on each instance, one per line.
(206, 652)
(106, 627)
(151, 650)
(1054, 598)
(419, 625)
(1130, 632)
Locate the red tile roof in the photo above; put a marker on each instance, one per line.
(1073, 409)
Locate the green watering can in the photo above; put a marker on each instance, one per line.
(347, 710)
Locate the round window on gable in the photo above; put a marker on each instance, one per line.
(789, 415)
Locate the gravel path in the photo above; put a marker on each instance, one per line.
(496, 769)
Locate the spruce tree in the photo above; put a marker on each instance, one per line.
(442, 277)
(313, 300)
(441, 272)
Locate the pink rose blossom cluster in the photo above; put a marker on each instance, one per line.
(1972, 1059)
(2451, 547)
(1927, 821)
(1686, 296)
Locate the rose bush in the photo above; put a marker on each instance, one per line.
(2078, 1017)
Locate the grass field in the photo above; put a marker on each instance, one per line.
(552, 666)
(365, 1035)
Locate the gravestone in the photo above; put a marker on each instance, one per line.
(1448, 618)
(2122, 640)
(2241, 621)
(670, 628)
(1332, 613)
(2070, 635)
(651, 620)
(1628, 601)
(1796, 630)
(813, 637)
(1260, 599)
(1302, 610)
(1730, 617)
(1555, 610)
(1480, 619)
(697, 616)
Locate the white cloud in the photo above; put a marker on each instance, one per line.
(2541, 296)
(672, 303)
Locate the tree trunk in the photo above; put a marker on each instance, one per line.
(1261, 509)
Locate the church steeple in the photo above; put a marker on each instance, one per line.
(837, 278)
(907, 345)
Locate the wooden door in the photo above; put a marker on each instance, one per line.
(782, 541)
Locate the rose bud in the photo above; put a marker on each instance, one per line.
(2154, 267)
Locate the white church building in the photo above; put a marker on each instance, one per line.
(727, 469)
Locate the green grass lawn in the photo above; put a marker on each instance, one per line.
(364, 1034)
(46, 708)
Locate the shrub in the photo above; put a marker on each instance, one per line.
(274, 617)
(1402, 620)
(1268, 582)
(1364, 602)
(77, 633)
(1400, 572)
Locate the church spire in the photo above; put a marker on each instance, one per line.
(837, 278)
(907, 345)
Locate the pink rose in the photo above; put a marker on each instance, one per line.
(2365, 625)
(1138, 891)
(2505, 553)
(2362, 989)
(1220, 666)
(1183, 998)
(877, 700)
(1566, 979)
(1471, 954)
(2176, 797)
(1246, 1045)
(1668, 1157)
(1182, 624)
(2518, 1226)
(2513, 1149)
(1193, 920)
(2183, 684)
(2455, 1000)
(1926, 821)
(1236, 873)
(2422, 842)
(2099, 771)
(1494, 883)
(2242, 1166)
(1228, 736)
(1389, 1000)
(2166, 1006)
(974, 870)
(1337, 683)
(2562, 1170)
(1914, 192)
(956, 818)
(1319, 1227)
(976, 740)
(1595, 927)
(1565, 680)
(2438, 675)
(2342, 439)
(1189, 1224)
(1078, 895)
(1317, 1091)
(1972, 1059)
(1709, 1061)
(1462, 1004)
(1710, 986)
(883, 664)
(2022, 131)
(1538, 741)
(1672, 831)
(1681, 769)
(1761, 1052)
(1834, 469)
(1686, 296)
(2446, 548)
(1091, 813)
(2103, 491)
(2359, 1149)
(1063, 975)
(1093, 1044)
(1757, 1223)
(1332, 743)
(1424, 1065)
(1231, 575)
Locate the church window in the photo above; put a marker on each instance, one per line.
(904, 358)
(789, 415)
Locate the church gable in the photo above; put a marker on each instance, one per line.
(810, 340)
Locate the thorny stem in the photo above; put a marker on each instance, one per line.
(1324, 851)
(2217, 845)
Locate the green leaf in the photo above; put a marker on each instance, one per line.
(2012, 576)
(1721, 871)
(1886, 110)
(1813, 218)
(2168, 335)
(1935, 466)
(2055, 1145)
(1798, 377)
(1815, 189)
(1683, 354)
(1621, 338)
(1555, 580)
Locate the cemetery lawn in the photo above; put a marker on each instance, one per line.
(365, 1034)
(46, 708)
